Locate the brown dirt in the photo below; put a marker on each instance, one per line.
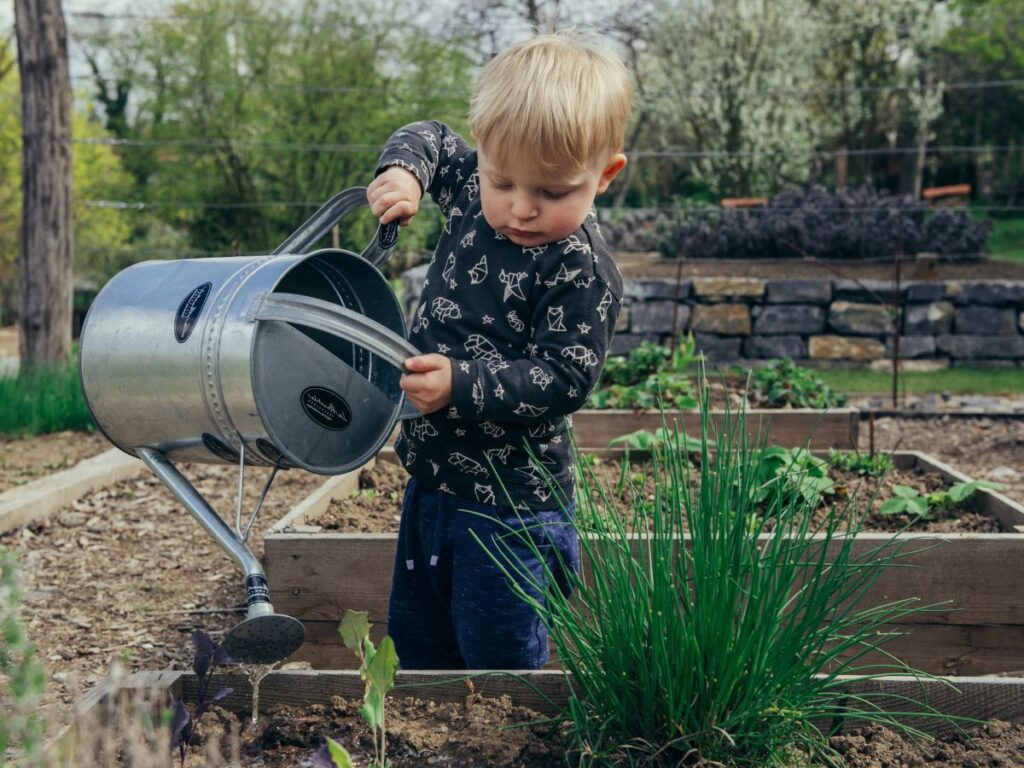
(483, 733)
(490, 732)
(25, 459)
(976, 447)
(377, 506)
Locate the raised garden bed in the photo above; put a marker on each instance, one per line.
(316, 574)
(435, 719)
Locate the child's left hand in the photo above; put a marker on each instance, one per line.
(428, 383)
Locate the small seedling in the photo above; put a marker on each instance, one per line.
(184, 723)
(332, 755)
(782, 383)
(907, 500)
(377, 667)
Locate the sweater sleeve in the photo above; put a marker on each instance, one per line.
(573, 323)
(440, 159)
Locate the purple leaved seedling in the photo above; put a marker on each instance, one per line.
(184, 723)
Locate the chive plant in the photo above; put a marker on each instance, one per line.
(727, 650)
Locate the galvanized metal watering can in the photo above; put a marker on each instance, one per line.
(286, 360)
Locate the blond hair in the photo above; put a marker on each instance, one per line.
(558, 99)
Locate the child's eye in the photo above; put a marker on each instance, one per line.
(501, 185)
(554, 195)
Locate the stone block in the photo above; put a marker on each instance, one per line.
(993, 293)
(859, 319)
(798, 291)
(980, 347)
(930, 290)
(986, 321)
(723, 288)
(622, 343)
(657, 316)
(911, 366)
(775, 346)
(789, 318)
(640, 289)
(912, 346)
(928, 318)
(844, 348)
(870, 291)
(717, 349)
(722, 319)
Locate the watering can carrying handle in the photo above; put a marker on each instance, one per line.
(329, 214)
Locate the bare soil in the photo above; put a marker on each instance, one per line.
(493, 733)
(25, 459)
(376, 507)
(482, 733)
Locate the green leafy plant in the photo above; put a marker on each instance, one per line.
(862, 463)
(794, 470)
(24, 679)
(48, 399)
(910, 501)
(781, 383)
(377, 668)
(726, 651)
(650, 374)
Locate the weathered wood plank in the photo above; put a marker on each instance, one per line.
(40, 499)
(317, 577)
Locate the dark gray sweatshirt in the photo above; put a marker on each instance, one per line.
(527, 331)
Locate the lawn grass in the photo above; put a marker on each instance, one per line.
(43, 401)
(1007, 240)
(957, 381)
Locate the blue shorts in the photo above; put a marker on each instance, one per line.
(451, 606)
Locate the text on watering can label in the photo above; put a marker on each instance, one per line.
(189, 310)
(326, 407)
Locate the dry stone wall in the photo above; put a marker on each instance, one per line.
(832, 321)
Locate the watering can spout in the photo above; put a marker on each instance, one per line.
(264, 636)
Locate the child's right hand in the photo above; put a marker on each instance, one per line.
(395, 194)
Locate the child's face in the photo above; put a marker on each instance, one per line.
(531, 206)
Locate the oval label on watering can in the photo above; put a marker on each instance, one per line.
(189, 310)
(326, 407)
(218, 448)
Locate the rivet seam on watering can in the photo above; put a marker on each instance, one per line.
(187, 316)
(326, 407)
(214, 395)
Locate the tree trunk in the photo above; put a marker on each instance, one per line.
(45, 260)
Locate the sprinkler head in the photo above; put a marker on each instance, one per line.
(264, 639)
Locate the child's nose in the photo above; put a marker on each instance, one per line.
(523, 207)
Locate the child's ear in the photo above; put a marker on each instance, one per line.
(611, 169)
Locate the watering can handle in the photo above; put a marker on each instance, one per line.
(329, 214)
(337, 320)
